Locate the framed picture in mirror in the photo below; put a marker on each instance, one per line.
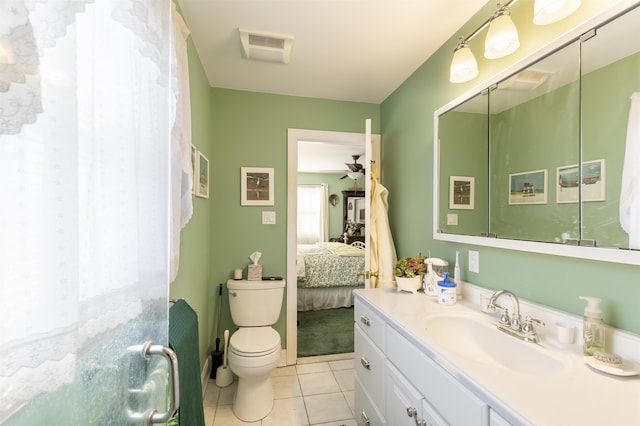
(528, 187)
(461, 192)
(592, 186)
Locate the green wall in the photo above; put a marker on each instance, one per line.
(407, 158)
(336, 186)
(250, 130)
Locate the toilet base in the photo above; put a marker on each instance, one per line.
(254, 399)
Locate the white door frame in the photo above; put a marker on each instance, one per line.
(293, 136)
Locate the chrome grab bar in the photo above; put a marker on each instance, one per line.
(147, 350)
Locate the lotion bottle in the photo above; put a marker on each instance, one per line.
(593, 327)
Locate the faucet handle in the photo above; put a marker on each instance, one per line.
(528, 324)
(504, 314)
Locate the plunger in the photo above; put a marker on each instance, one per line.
(224, 375)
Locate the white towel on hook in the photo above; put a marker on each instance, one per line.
(630, 188)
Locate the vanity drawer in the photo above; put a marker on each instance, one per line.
(369, 367)
(369, 322)
(366, 412)
(456, 404)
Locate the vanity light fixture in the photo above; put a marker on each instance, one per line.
(464, 66)
(502, 36)
(549, 11)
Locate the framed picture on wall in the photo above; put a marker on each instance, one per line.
(257, 186)
(461, 192)
(202, 188)
(528, 187)
(593, 182)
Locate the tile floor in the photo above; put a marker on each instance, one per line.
(318, 393)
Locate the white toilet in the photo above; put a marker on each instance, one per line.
(254, 350)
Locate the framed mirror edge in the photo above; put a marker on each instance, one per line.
(604, 254)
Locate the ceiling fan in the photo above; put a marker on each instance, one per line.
(356, 170)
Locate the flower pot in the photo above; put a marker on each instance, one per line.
(412, 284)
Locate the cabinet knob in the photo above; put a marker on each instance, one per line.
(365, 363)
(411, 412)
(365, 320)
(365, 419)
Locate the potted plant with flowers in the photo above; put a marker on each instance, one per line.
(409, 272)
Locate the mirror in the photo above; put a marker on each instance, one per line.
(538, 156)
(354, 211)
(611, 74)
(464, 154)
(535, 128)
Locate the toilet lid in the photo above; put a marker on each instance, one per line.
(254, 341)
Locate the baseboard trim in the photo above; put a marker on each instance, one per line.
(325, 358)
(283, 358)
(204, 376)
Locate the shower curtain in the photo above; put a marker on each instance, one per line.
(87, 102)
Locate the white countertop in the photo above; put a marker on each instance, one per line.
(577, 396)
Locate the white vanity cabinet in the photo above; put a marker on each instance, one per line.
(369, 358)
(404, 403)
(398, 385)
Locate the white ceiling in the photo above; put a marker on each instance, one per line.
(351, 50)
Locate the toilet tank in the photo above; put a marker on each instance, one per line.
(255, 303)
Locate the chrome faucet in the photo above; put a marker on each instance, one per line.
(514, 321)
(513, 325)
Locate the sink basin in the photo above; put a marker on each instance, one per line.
(479, 340)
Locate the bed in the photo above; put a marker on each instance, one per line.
(327, 275)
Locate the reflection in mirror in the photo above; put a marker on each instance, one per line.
(464, 149)
(611, 74)
(534, 122)
(550, 149)
(354, 213)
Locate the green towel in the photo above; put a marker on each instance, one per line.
(183, 338)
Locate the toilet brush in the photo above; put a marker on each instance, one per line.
(216, 356)
(224, 375)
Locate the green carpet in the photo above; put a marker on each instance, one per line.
(325, 332)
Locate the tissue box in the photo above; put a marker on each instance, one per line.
(254, 273)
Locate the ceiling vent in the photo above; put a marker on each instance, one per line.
(264, 46)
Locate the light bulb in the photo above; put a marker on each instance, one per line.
(502, 37)
(549, 11)
(463, 65)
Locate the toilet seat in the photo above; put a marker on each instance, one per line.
(254, 341)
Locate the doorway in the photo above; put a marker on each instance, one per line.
(344, 146)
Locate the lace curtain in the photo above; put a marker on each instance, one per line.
(87, 102)
(312, 214)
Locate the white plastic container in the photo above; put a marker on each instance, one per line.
(446, 291)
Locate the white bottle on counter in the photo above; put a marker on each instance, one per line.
(456, 276)
(593, 327)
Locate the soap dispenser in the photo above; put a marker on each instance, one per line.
(593, 327)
